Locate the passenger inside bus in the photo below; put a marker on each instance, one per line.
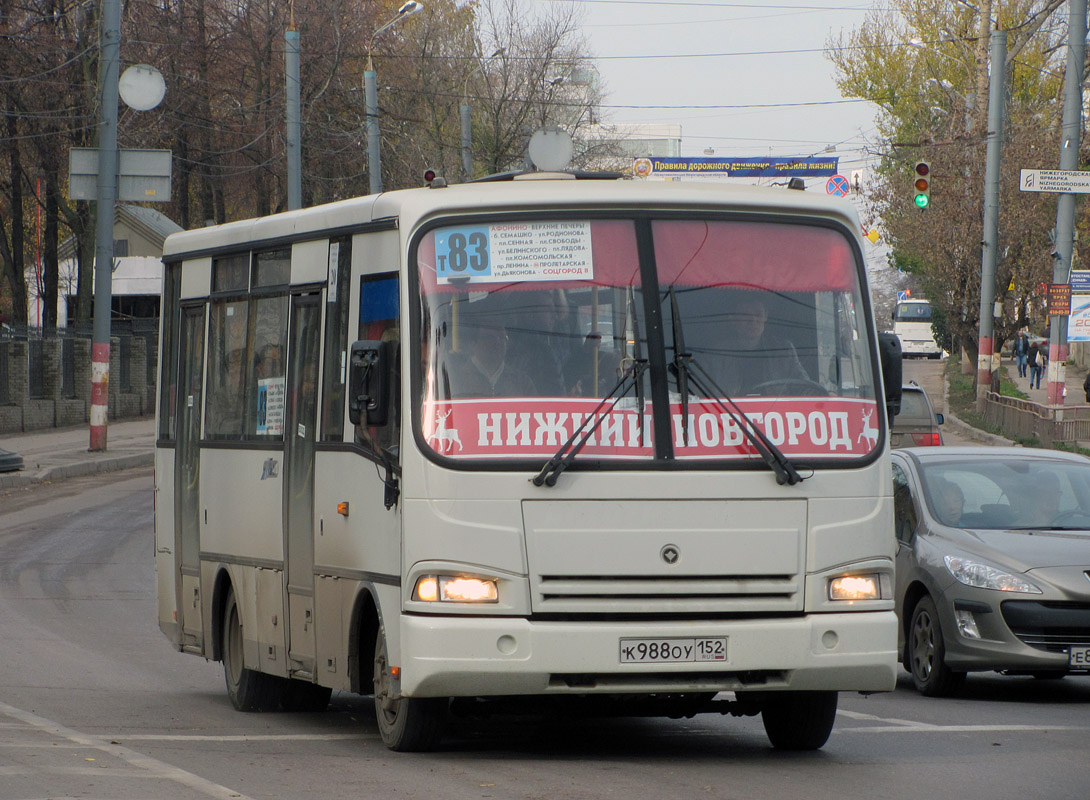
(745, 351)
(481, 366)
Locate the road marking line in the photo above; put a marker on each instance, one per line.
(156, 768)
(244, 737)
(923, 728)
(872, 718)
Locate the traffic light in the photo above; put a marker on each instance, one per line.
(921, 184)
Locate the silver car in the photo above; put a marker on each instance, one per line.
(993, 563)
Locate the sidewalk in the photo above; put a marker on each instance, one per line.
(1074, 379)
(54, 454)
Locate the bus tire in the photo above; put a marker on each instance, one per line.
(799, 720)
(927, 653)
(248, 689)
(304, 696)
(406, 724)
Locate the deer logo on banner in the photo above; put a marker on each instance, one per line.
(869, 432)
(444, 436)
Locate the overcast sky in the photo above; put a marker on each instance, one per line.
(710, 66)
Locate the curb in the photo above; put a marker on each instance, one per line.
(965, 427)
(77, 470)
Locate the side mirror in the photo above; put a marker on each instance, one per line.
(939, 418)
(889, 352)
(370, 364)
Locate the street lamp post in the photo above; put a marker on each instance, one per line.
(464, 114)
(370, 94)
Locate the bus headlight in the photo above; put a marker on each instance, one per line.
(455, 589)
(855, 587)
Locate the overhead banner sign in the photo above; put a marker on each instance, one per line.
(737, 167)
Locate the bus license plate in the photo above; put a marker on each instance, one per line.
(1079, 657)
(668, 651)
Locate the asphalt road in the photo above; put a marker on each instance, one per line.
(95, 703)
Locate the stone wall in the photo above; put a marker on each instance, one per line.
(20, 412)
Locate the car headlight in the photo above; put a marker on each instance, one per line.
(455, 589)
(982, 576)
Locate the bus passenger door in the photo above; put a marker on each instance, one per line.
(299, 437)
(187, 459)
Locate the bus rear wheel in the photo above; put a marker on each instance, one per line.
(406, 724)
(799, 720)
(248, 689)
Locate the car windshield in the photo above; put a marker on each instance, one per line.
(524, 326)
(913, 407)
(1008, 493)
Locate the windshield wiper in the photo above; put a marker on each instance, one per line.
(581, 435)
(684, 362)
(772, 455)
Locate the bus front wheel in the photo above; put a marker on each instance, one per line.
(406, 724)
(799, 720)
(248, 689)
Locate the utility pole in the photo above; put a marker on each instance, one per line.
(292, 126)
(1065, 203)
(996, 114)
(110, 59)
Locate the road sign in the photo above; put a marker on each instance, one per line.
(1067, 181)
(143, 175)
(837, 185)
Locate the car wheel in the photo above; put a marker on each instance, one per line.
(927, 653)
(406, 724)
(799, 720)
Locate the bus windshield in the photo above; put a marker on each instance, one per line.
(526, 325)
(913, 311)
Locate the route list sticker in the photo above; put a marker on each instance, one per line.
(514, 251)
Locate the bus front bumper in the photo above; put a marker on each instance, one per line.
(486, 656)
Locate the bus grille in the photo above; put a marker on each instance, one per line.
(621, 594)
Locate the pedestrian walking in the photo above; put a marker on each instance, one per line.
(1021, 352)
(1086, 387)
(1037, 360)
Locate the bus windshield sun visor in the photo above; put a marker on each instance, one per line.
(687, 370)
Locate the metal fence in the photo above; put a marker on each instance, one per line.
(1024, 419)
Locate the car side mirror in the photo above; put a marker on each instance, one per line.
(939, 418)
(370, 364)
(889, 352)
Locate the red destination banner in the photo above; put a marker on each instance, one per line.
(813, 427)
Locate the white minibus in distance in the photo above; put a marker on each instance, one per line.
(912, 324)
(606, 440)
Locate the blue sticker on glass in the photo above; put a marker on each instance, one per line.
(462, 253)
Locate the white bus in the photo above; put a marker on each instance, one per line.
(912, 324)
(603, 440)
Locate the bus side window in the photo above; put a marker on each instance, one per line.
(266, 384)
(229, 322)
(380, 321)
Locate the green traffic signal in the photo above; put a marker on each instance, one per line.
(921, 183)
